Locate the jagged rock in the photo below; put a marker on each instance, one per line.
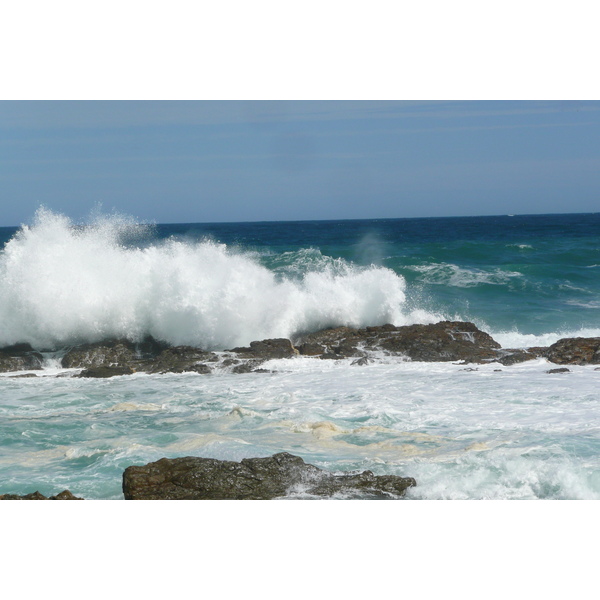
(192, 478)
(180, 359)
(249, 366)
(113, 353)
(575, 351)
(360, 362)
(310, 349)
(268, 349)
(560, 370)
(538, 351)
(104, 372)
(19, 357)
(64, 495)
(149, 348)
(514, 357)
(443, 341)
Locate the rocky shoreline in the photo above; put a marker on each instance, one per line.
(269, 478)
(453, 341)
(274, 477)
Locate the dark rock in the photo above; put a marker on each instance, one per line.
(444, 341)
(64, 495)
(575, 351)
(192, 478)
(561, 370)
(361, 362)
(538, 351)
(24, 375)
(149, 348)
(113, 353)
(249, 366)
(310, 349)
(180, 359)
(268, 349)
(516, 356)
(19, 357)
(104, 371)
(17, 349)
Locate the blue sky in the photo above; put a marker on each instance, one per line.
(207, 161)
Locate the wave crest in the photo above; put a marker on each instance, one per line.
(64, 283)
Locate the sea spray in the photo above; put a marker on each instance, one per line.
(478, 431)
(63, 284)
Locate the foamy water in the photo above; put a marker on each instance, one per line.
(517, 432)
(463, 431)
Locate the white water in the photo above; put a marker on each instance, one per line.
(513, 433)
(62, 284)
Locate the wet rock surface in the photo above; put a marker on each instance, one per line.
(455, 341)
(64, 495)
(180, 359)
(103, 372)
(19, 357)
(513, 357)
(439, 342)
(575, 351)
(110, 353)
(193, 478)
(268, 349)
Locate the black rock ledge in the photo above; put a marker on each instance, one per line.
(277, 476)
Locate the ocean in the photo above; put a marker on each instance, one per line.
(487, 432)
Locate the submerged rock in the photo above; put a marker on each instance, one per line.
(64, 495)
(193, 478)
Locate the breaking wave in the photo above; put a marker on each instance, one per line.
(64, 283)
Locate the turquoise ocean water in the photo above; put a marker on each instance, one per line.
(514, 433)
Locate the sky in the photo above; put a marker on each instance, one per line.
(221, 161)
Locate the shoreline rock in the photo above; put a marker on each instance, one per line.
(64, 495)
(19, 357)
(193, 478)
(447, 341)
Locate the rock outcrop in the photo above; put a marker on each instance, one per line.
(64, 495)
(439, 342)
(110, 353)
(192, 478)
(180, 359)
(268, 349)
(575, 351)
(103, 372)
(19, 357)
(454, 341)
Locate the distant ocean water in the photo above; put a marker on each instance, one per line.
(514, 433)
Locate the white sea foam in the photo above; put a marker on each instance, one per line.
(514, 339)
(455, 276)
(63, 283)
